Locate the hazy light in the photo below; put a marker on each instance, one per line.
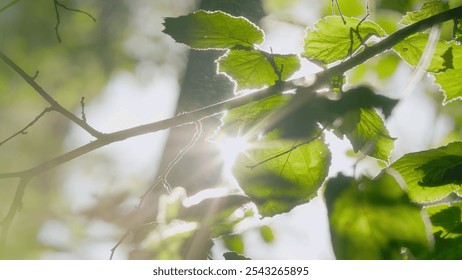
(230, 148)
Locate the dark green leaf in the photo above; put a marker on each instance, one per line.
(213, 30)
(277, 176)
(447, 230)
(331, 40)
(442, 171)
(352, 115)
(433, 174)
(252, 69)
(373, 219)
(428, 9)
(234, 256)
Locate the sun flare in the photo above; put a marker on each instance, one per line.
(230, 148)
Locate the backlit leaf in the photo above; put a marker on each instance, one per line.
(252, 69)
(373, 219)
(449, 82)
(278, 177)
(449, 79)
(433, 174)
(447, 230)
(412, 48)
(367, 133)
(213, 30)
(331, 40)
(251, 119)
(428, 9)
(301, 117)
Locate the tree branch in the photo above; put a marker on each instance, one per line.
(14, 208)
(58, 17)
(24, 130)
(320, 80)
(54, 104)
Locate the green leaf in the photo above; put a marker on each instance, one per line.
(433, 174)
(331, 40)
(450, 85)
(277, 176)
(412, 48)
(234, 256)
(449, 79)
(447, 230)
(252, 69)
(213, 30)
(301, 116)
(267, 234)
(367, 133)
(251, 119)
(234, 242)
(428, 9)
(373, 219)
(458, 31)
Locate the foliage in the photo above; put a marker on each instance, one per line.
(286, 160)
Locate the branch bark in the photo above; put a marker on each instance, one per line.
(320, 79)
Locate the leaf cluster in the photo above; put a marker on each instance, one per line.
(288, 161)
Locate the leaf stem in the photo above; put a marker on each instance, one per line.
(319, 80)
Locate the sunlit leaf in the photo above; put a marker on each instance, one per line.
(213, 30)
(367, 133)
(331, 40)
(252, 69)
(252, 118)
(449, 79)
(278, 177)
(447, 230)
(449, 82)
(428, 9)
(373, 219)
(433, 174)
(412, 48)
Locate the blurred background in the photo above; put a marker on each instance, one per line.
(130, 73)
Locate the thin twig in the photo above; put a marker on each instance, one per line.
(24, 130)
(58, 18)
(82, 105)
(171, 165)
(14, 208)
(54, 104)
(339, 10)
(118, 244)
(190, 117)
